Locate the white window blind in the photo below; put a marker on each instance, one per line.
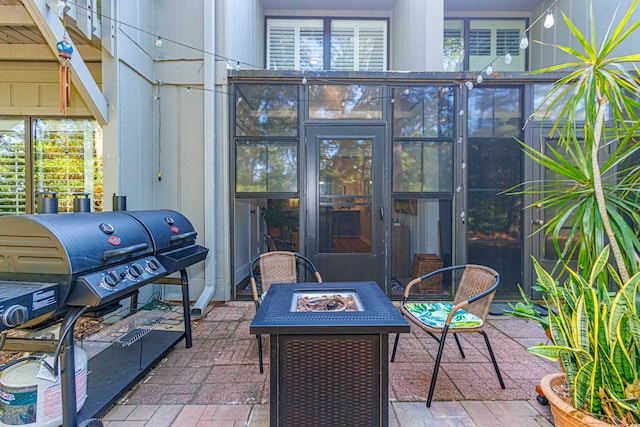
(12, 167)
(358, 45)
(294, 44)
(298, 44)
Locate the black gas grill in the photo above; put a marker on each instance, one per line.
(63, 266)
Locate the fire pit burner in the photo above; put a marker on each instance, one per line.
(325, 302)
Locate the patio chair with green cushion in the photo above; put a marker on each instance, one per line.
(467, 313)
(277, 267)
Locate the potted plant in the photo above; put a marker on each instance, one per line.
(596, 336)
(593, 214)
(276, 220)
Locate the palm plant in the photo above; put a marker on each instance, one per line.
(594, 198)
(594, 205)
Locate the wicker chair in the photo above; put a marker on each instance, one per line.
(467, 313)
(277, 267)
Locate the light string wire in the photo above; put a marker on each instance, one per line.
(294, 75)
(511, 45)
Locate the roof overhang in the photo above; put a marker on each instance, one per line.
(53, 31)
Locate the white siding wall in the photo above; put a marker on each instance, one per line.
(241, 39)
(416, 35)
(244, 32)
(148, 136)
(603, 11)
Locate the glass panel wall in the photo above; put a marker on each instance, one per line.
(345, 102)
(266, 209)
(68, 159)
(422, 183)
(266, 110)
(266, 157)
(57, 155)
(494, 165)
(266, 166)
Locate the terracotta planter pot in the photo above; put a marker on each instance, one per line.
(564, 414)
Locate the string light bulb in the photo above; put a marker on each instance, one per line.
(507, 58)
(159, 41)
(479, 79)
(238, 66)
(524, 41)
(304, 80)
(469, 85)
(549, 20)
(489, 70)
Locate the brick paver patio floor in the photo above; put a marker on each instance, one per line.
(217, 382)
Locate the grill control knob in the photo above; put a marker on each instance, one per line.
(111, 279)
(152, 265)
(135, 271)
(14, 316)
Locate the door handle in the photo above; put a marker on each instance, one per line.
(381, 214)
(538, 222)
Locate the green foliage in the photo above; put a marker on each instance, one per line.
(594, 199)
(593, 209)
(597, 338)
(276, 217)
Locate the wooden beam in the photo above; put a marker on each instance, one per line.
(53, 31)
(15, 16)
(40, 52)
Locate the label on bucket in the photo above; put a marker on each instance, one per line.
(29, 401)
(18, 405)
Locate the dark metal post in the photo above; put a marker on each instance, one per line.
(68, 372)
(186, 307)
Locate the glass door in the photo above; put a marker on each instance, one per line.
(346, 217)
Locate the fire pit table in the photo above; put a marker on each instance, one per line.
(328, 353)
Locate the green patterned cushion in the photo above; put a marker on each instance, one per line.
(435, 314)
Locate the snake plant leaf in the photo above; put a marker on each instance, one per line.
(580, 324)
(585, 387)
(634, 328)
(612, 379)
(620, 356)
(552, 352)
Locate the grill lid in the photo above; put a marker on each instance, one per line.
(173, 237)
(169, 229)
(57, 248)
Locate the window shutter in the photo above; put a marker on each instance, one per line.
(294, 44)
(480, 42)
(358, 45)
(493, 38)
(281, 49)
(12, 167)
(372, 48)
(507, 40)
(311, 48)
(342, 48)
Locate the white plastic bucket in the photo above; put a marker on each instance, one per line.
(29, 401)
